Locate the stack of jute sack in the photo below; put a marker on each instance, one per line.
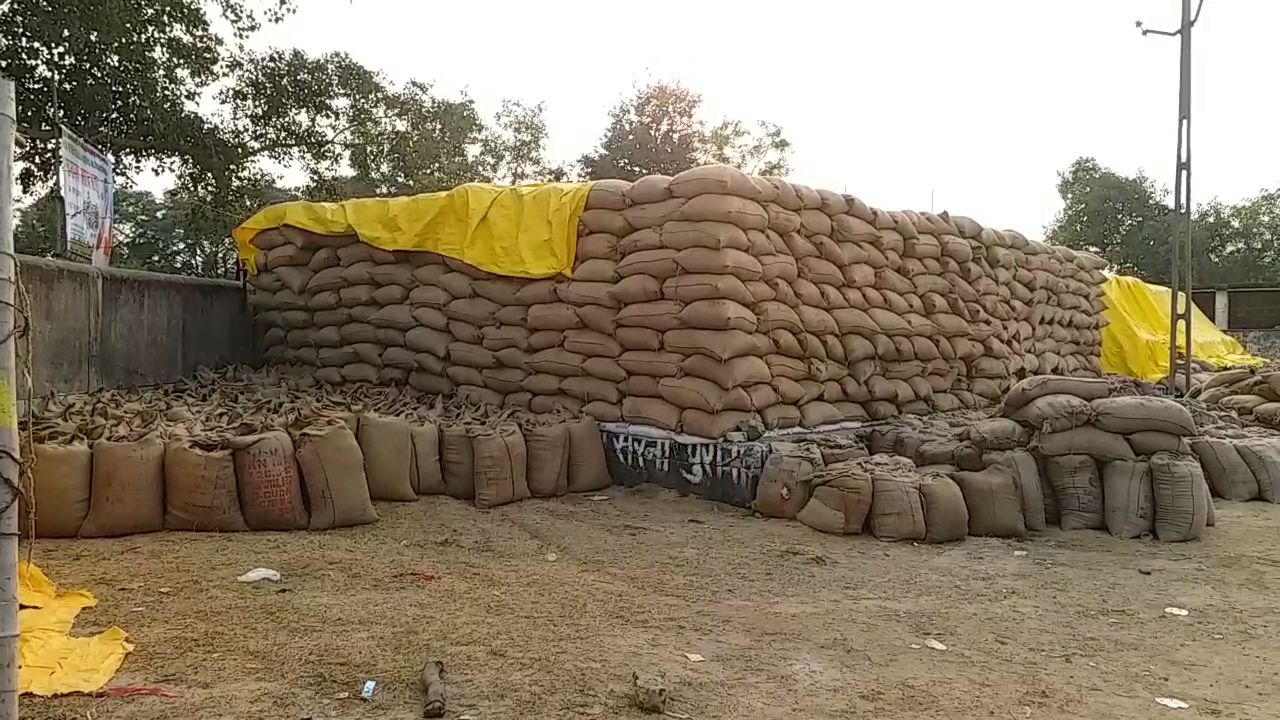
(1078, 457)
(705, 302)
(1253, 395)
(881, 494)
(239, 450)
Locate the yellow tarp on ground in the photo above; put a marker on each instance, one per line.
(50, 661)
(1136, 342)
(528, 231)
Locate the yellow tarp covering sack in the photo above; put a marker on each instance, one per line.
(1136, 340)
(50, 661)
(528, 231)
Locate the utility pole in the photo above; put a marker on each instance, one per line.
(10, 468)
(1180, 238)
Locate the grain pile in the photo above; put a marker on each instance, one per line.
(705, 302)
(243, 450)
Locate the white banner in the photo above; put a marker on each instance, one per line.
(88, 194)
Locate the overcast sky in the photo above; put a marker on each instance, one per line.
(978, 103)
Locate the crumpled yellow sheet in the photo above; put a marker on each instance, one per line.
(528, 231)
(1136, 342)
(50, 661)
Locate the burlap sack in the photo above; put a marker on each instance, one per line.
(426, 474)
(992, 499)
(268, 483)
(587, 468)
(1150, 442)
(719, 344)
(62, 476)
(333, 470)
(713, 180)
(715, 425)
(128, 489)
(786, 480)
(897, 512)
(500, 466)
(1262, 456)
(1085, 440)
(1229, 476)
(1025, 472)
(548, 459)
(1133, 414)
(1181, 507)
(1077, 488)
(841, 499)
(200, 489)
(651, 411)
(388, 457)
(1033, 387)
(946, 517)
(1128, 497)
(997, 434)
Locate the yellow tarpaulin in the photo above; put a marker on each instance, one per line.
(527, 231)
(50, 661)
(1136, 342)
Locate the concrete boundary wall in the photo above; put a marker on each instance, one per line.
(93, 327)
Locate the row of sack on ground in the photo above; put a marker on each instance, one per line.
(1010, 494)
(323, 477)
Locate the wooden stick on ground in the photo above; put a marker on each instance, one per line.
(432, 682)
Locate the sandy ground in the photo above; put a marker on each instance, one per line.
(792, 623)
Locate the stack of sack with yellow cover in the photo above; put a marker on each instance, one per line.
(238, 451)
(706, 302)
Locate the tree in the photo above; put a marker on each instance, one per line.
(515, 145)
(655, 132)
(759, 151)
(127, 73)
(1128, 221)
(1123, 219)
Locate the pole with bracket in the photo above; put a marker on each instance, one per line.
(9, 458)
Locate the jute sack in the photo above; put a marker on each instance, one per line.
(946, 518)
(1054, 413)
(1129, 498)
(715, 425)
(1228, 474)
(587, 467)
(1040, 385)
(458, 462)
(268, 483)
(1077, 488)
(1262, 455)
(500, 462)
(63, 476)
(991, 497)
(1026, 474)
(651, 411)
(897, 512)
(997, 434)
(426, 475)
(1126, 415)
(1085, 440)
(1150, 442)
(333, 470)
(128, 489)
(841, 500)
(387, 446)
(786, 481)
(547, 448)
(1181, 506)
(200, 489)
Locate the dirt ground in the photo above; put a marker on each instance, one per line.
(543, 609)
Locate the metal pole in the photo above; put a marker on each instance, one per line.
(1180, 260)
(9, 458)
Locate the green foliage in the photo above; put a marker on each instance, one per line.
(657, 132)
(1128, 221)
